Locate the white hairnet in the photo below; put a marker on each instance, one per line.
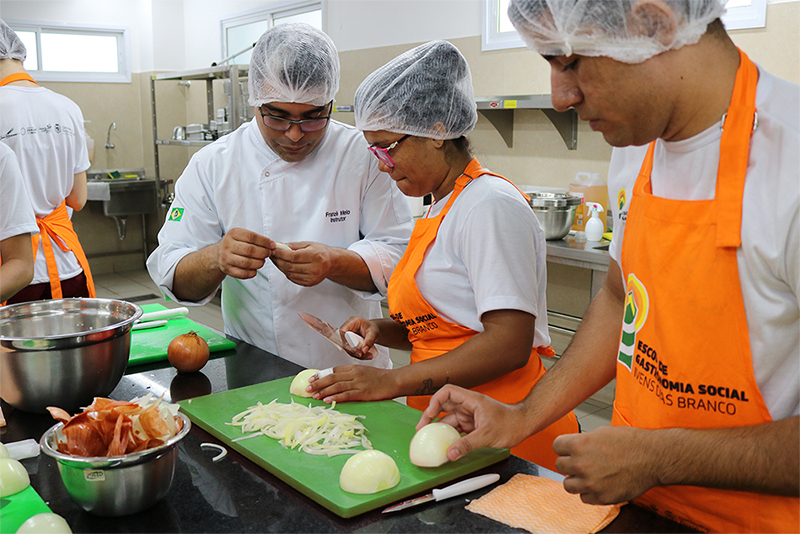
(630, 31)
(11, 46)
(417, 90)
(293, 62)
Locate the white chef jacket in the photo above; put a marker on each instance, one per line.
(45, 131)
(336, 196)
(769, 257)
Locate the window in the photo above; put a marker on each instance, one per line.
(240, 32)
(71, 53)
(498, 32)
(743, 14)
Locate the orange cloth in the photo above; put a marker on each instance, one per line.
(432, 336)
(542, 505)
(17, 76)
(57, 228)
(684, 358)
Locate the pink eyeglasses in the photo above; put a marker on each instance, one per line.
(383, 153)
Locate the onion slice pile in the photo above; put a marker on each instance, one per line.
(312, 429)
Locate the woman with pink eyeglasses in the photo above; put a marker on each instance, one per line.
(468, 296)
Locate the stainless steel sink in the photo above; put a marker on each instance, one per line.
(130, 194)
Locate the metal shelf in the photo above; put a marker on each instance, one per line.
(183, 142)
(235, 109)
(499, 110)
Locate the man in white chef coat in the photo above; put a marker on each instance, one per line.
(290, 176)
(698, 319)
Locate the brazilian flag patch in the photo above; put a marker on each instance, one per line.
(176, 214)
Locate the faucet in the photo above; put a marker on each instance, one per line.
(113, 126)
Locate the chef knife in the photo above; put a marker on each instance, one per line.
(336, 336)
(465, 486)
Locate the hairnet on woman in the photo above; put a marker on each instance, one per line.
(11, 46)
(468, 296)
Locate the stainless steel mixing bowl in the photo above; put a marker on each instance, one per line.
(63, 352)
(117, 485)
(555, 211)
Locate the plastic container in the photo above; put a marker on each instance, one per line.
(592, 189)
(594, 226)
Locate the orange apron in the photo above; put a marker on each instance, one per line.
(17, 76)
(684, 358)
(432, 336)
(58, 226)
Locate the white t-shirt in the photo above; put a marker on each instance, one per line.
(335, 196)
(769, 257)
(490, 254)
(45, 131)
(16, 213)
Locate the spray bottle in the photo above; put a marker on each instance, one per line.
(594, 226)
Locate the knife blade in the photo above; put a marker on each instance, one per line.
(465, 486)
(334, 335)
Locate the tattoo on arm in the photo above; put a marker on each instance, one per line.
(428, 388)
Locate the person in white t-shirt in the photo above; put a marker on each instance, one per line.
(17, 224)
(698, 319)
(45, 131)
(468, 297)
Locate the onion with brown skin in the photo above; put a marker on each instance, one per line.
(188, 352)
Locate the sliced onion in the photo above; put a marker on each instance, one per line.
(311, 429)
(369, 472)
(429, 445)
(223, 452)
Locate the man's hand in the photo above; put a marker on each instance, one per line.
(488, 423)
(241, 253)
(608, 465)
(307, 264)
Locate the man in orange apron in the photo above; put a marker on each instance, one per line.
(685, 320)
(42, 128)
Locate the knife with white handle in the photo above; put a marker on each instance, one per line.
(465, 486)
(163, 314)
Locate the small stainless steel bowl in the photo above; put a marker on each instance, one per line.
(63, 352)
(117, 485)
(555, 212)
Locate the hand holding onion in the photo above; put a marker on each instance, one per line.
(188, 352)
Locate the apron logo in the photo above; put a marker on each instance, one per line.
(621, 199)
(176, 214)
(636, 307)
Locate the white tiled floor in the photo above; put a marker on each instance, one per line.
(137, 286)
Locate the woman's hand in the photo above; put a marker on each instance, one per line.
(366, 329)
(353, 383)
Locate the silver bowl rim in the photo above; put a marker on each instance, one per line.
(138, 312)
(125, 460)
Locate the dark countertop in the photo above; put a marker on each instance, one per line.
(236, 495)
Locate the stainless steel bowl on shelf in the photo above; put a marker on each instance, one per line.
(555, 212)
(63, 352)
(117, 485)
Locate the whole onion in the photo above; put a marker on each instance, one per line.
(188, 352)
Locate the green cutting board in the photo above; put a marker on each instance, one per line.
(150, 345)
(390, 427)
(18, 508)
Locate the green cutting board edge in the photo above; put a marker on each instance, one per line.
(390, 427)
(19, 508)
(150, 345)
